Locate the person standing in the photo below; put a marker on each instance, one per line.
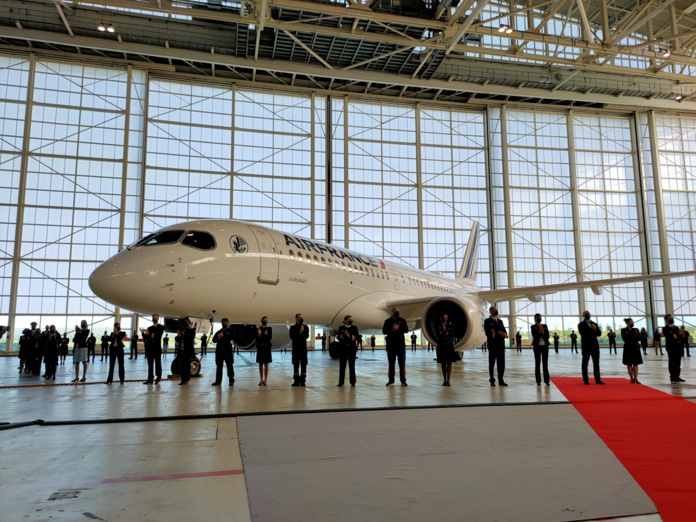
(573, 342)
(495, 339)
(165, 345)
(299, 334)
(372, 343)
(414, 338)
(395, 329)
(116, 352)
(445, 348)
(80, 351)
(686, 337)
(223, 352)
(152, 339)
(92, 346)
(556, 340)
(611, 335)
(360, 343)
(674, 347)
(323, 341)
(657, 339)
(188, 352)
(264, 356)
(64, 344)
(644, 340)
(134, 347)
(52, 350)
(518, 341)
(105, 346)
(347, 337)
(589, 333)
(632, 339)
(540, 344)
(204, 345)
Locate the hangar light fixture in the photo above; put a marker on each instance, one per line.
(505, 28)
(666, 53)
(110, 29)
(101, 27)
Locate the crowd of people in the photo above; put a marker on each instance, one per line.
(50, 348)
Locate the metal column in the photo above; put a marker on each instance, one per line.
(577, 238)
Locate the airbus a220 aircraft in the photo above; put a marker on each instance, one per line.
(235, 269)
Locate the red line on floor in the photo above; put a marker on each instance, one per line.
(650, 432)
(170, 476)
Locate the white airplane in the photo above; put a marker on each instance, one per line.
(235, 269)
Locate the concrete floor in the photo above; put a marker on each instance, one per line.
(86, 466)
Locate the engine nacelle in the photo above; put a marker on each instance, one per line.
(245, 336)
(463, 314)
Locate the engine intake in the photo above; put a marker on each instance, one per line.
(461, 313)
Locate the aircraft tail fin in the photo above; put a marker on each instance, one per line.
(471, 256)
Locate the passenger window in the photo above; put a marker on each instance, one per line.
(199, 240)
(292, 254)
(166, 237)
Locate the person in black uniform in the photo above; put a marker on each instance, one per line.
(264, 356)
(223, 352)
(51, 351)
(116, 352)
(165, 345)
(573, 342)
(644, 340)
(589, 333)
(540, 344)
(445, 348)
(64, 344)
(518, 341)
(372, 342)
(556, 339)
(674, 347)
(187, 352)
(152, 338)
(686, 337)
(347, 336)
(134, 347)
(611, 335)
(395, 328)
(495, 339)
(204, 345)
(323, 342)
(414, 338)
(657, 339)
(299, 334)
(92, 346)
(632, 339)
(105, 346)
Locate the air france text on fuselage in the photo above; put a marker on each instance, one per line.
(319, 248)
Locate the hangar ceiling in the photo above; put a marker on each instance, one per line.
(559, 52)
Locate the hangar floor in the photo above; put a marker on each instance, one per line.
(469, 452)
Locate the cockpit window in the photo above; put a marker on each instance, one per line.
(199, 240)
(166, 237)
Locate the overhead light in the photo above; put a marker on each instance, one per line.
(508, 30)
(678, 97)
(666, 53)
(503, 28)
(101, 27)
(110, 29)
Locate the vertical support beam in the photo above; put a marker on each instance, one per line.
(21, 202)
(489, 200)
(643, 223)
(312, 166)
(419, 189)
(660, 211)
(577, 238)
(605, 22)
(346, 199)
(328, 131)
(232, 141)
(508, 215)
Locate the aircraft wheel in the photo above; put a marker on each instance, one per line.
(195, 367)
(333, 349)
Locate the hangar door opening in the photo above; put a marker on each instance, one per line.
(268, 257)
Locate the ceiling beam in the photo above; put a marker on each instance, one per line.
(307, 48)
(59, 7)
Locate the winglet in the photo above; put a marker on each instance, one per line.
(471, 256)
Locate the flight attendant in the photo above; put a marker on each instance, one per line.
(116, 352)
(495, 339)
(152, 337)
(347, 336)
(589, 345)
(264, 356)
(631, 357)
(540, 344)
(445, 348)
(299, 334)
(395, 328)
(674, 347)
(223, 352)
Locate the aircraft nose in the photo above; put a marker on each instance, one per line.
(108, 281)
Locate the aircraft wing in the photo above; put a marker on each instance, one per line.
(535, 293)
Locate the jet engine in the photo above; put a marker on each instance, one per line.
(462, 313)
(245, 335)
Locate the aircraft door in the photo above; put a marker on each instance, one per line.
(268, 258)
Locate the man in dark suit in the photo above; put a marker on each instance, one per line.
(675, 348)
(152, 337)
(188, 351)
(223, 352)
(540, 344)
(589, 333)
(495, 340)
(395, 328)
(134, 347)
(299, 333)
(347, 336)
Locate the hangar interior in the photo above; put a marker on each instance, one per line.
(565, 128)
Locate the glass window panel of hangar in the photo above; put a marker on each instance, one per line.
(541, 213)
(608, 215)
(74, 185)
(676, 141)
(381, 181)
(453, 177)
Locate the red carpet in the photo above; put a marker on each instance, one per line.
(652, 433)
